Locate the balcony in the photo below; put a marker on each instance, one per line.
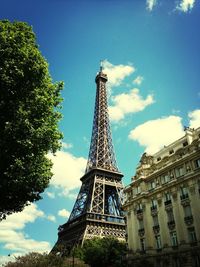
(171, 224)
(168, 205)
(185, 201)
(184, 196)
(188, 220)
(156, 229)
(141, 232)
(139, 211)
(139, 214)
(154, 210)
(168, 202)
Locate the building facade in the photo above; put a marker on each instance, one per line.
(163, 206)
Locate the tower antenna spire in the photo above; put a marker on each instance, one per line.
(101, 65)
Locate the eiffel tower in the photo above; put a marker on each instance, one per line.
(97, 210)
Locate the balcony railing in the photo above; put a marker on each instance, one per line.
(156, 228)
(168, 202)
(141, 232)
(188, 220)
(139, 211)
(171, 224)
(184, 196)
(139, 214)
(154, 210)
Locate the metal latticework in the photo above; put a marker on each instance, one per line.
(97, 210)
(101, 153)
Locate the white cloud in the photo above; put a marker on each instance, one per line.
(138, 80)
(66, 145)
(51, 218)
(67, 170)
(194, 117)
(69, 195)
(185, 5)
(11, 231)
(18, 220)
(154, 134)
(116, 73)
(126, 103)
(64, 213)
(175, 111)
(151, 4)
(50, 194)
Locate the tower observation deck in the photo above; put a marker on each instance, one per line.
(97, 210)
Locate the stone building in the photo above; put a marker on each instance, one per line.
(163, 206)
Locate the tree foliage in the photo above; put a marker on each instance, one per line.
(34, 259)
(102, 252)
(29, 115)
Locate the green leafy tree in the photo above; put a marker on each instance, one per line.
(35, 259)
(29, 116)
(103, 252)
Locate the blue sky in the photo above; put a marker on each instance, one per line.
(151, 55)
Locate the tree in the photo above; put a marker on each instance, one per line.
(29, 116)
(35, 259)
(103, 252)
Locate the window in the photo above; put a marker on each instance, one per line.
(188, 166)
(171, 174)
(141, 224)
(152, 185)
(192, 234)
(179, 171)
(129, 195)
(139, 208)
(171, 151)
(167, 196)
(170, 215)
(155, 220)
(173, 237)
(154, 204)
(138, 190)
(184, 193)
(187, 211)
(167, 199)
(165, 178)
(197, 163)
(158, 242)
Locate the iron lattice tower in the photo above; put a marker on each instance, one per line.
(97, 210)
